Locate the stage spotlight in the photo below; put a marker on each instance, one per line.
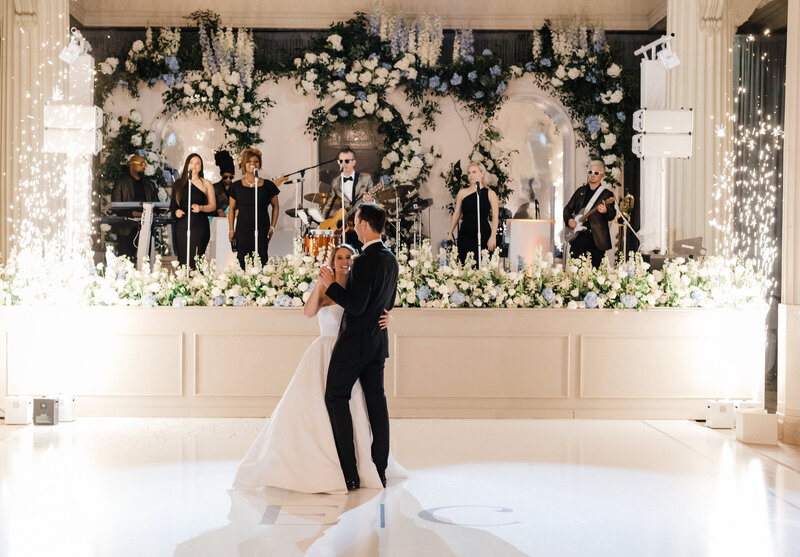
(77, 46)
(668, 58)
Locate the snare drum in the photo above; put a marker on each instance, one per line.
(316, 241)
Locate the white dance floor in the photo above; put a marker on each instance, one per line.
(152, 487)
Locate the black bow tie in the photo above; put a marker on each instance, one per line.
(348, 179)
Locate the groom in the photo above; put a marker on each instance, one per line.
(362, 346)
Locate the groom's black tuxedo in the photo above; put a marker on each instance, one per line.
(360, 353)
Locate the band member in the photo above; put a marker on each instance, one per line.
(466, 211)
(222, 188)
(243, 209)
(354, 185)
(595, 239)
(202, 201)
(132, 186)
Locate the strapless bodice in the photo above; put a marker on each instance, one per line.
(329, 318)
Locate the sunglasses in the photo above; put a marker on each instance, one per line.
(595, 172)
(345, 161)
(137, 163)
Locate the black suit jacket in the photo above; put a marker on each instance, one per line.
(124, 191)
(598, 222)
(370, 288)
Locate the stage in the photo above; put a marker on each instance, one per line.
(444, 363)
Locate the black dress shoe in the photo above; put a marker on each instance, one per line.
(352, 485)
(382, 476)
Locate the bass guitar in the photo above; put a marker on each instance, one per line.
(335, 221)
(571, 233)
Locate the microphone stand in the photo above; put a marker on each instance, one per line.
(628, 224)
(189, 224)
(298, 182)
(255, 189)
(478, 199)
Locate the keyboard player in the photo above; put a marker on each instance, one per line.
(132, 186)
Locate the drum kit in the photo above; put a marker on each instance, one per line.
(395, 200)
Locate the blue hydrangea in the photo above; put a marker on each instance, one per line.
(469, 59)
(219, 301)
(341, 73)
(121, 275)
(179, 302)
(167, 176)
(593, 123)
(529, 67)
(404, 73)
(472, 76)
(486, 52)
(423, 293)
(590, 300)
(621, 116)
(172, 64)
(699, 297)
(342, 112)
(148, 301)
(478, 95)
(386, 66)
(456, 79)
(545, 62)
(501, 88)
(619, 87)
(629, 269)
(372, 56)
(520, 264)
(361, 95)
(434, 82)
(239, 301)
(386, 179)
(457, 298)
(443, 87)
(283, 301)
(167, 78)
(443, 257)
(591, 78)
(141, 152)
(628, 300)
(548, 295)
(495, 70)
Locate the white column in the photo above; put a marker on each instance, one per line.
(703, 40)
(789, 311)
(33, 34)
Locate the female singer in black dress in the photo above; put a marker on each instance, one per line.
(467, 212)
(243, 209)
(203, 201)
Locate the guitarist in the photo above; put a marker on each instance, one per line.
(350, 183)
(596, 239)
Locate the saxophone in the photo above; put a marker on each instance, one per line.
(625, 207)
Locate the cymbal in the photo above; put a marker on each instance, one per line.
(316, 197)
(291, 212)
(390, 194)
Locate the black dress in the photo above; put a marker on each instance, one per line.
(468, 231)
(201, 232)
(245, 218)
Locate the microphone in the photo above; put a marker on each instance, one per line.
(478, 184)
(190, 174)
(255, 173)
(536, 204)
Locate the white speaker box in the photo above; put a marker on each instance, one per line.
(663, 121)
(756, 426)
(19, 410)
(66, 408)
(675, 146)
(719, 414)
(743, 406)
(68, 140)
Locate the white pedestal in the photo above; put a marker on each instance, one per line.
(19, 410)
(744, 405)
(66, 408)
(756, 426)
(219, 246)
(719, 414)
(525, 235)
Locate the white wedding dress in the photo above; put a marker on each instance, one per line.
(295, 449)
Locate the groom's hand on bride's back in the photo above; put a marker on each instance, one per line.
(326, 276)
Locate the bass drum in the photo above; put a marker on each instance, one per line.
(319, 241)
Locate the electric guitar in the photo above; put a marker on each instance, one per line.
(580, 218)
(335, 221)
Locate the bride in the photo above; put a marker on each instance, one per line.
(295, 449)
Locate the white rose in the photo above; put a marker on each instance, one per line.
(351, 77)
(386, 115)
(561, 73)
(412, 74)
(610, 159)
(150, 170)
(573, 73)
(247, 107)
(335, 41)
(137, 46)
(136, 140)
(339, 95)
(151, 137)
(311, 75)
(310, 57)
(233, 78)
(358, 112)
(556, 82)
(136, 116)
(307, 85)
(614, 70)
(349, 99)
